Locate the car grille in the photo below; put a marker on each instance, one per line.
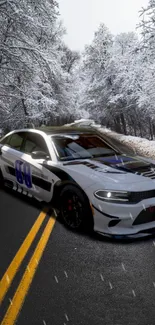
(136, 197)
(145, 216)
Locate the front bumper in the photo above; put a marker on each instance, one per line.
(124, 220)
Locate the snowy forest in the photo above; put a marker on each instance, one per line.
(42, 81)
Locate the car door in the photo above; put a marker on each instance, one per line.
(37, 178)
(21, 171)
(10, 148)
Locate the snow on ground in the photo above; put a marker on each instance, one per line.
(142, 146)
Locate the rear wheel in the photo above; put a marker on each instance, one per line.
(75, 209)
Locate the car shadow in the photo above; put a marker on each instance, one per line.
(89, 234)
(111, 240)
(124, 241)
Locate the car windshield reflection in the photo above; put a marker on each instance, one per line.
(81, 147)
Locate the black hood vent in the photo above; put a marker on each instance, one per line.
(147, 171)
(129, 165)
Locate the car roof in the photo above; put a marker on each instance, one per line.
(55, 130)
(66, 130)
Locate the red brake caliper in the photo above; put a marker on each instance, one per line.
(70, 205)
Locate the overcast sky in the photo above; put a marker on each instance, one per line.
(82, 18)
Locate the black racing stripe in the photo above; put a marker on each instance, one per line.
(11, 171)
(35, 180)
(41, 183)
(75, 163)
(105, 214)
(59, 173)
(85, 163)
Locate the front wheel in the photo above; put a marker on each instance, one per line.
(75, 209)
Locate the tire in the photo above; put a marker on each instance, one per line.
(75, 209)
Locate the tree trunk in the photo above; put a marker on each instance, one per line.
(140, 129)
(22, 97)
(133, 122)
(24, 107)
(151, 129)
(122, 118)
(117, 124)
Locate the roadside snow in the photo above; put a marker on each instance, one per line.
(142, 146)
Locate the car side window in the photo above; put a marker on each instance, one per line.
(16, 140)
(34, 142)
(6, 140)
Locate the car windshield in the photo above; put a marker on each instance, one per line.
(70, 147)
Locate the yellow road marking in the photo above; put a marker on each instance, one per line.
(16, 262)
(22, 290)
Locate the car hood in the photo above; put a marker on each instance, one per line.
(115, 169)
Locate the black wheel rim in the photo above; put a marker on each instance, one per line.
(72, 210)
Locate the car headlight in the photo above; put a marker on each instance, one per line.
(112, 196)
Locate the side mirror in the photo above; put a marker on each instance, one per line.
(39, 155)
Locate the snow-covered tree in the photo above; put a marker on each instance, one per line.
(115, 87)
(33, 80)
(93, 68)
(123, 75)
(147, 97)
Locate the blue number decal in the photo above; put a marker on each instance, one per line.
(18, 171)
(25, 175)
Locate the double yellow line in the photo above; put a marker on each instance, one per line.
(22, 290)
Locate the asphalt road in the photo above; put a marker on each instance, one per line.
(81, 279)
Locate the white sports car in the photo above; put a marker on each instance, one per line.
(93, 184)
